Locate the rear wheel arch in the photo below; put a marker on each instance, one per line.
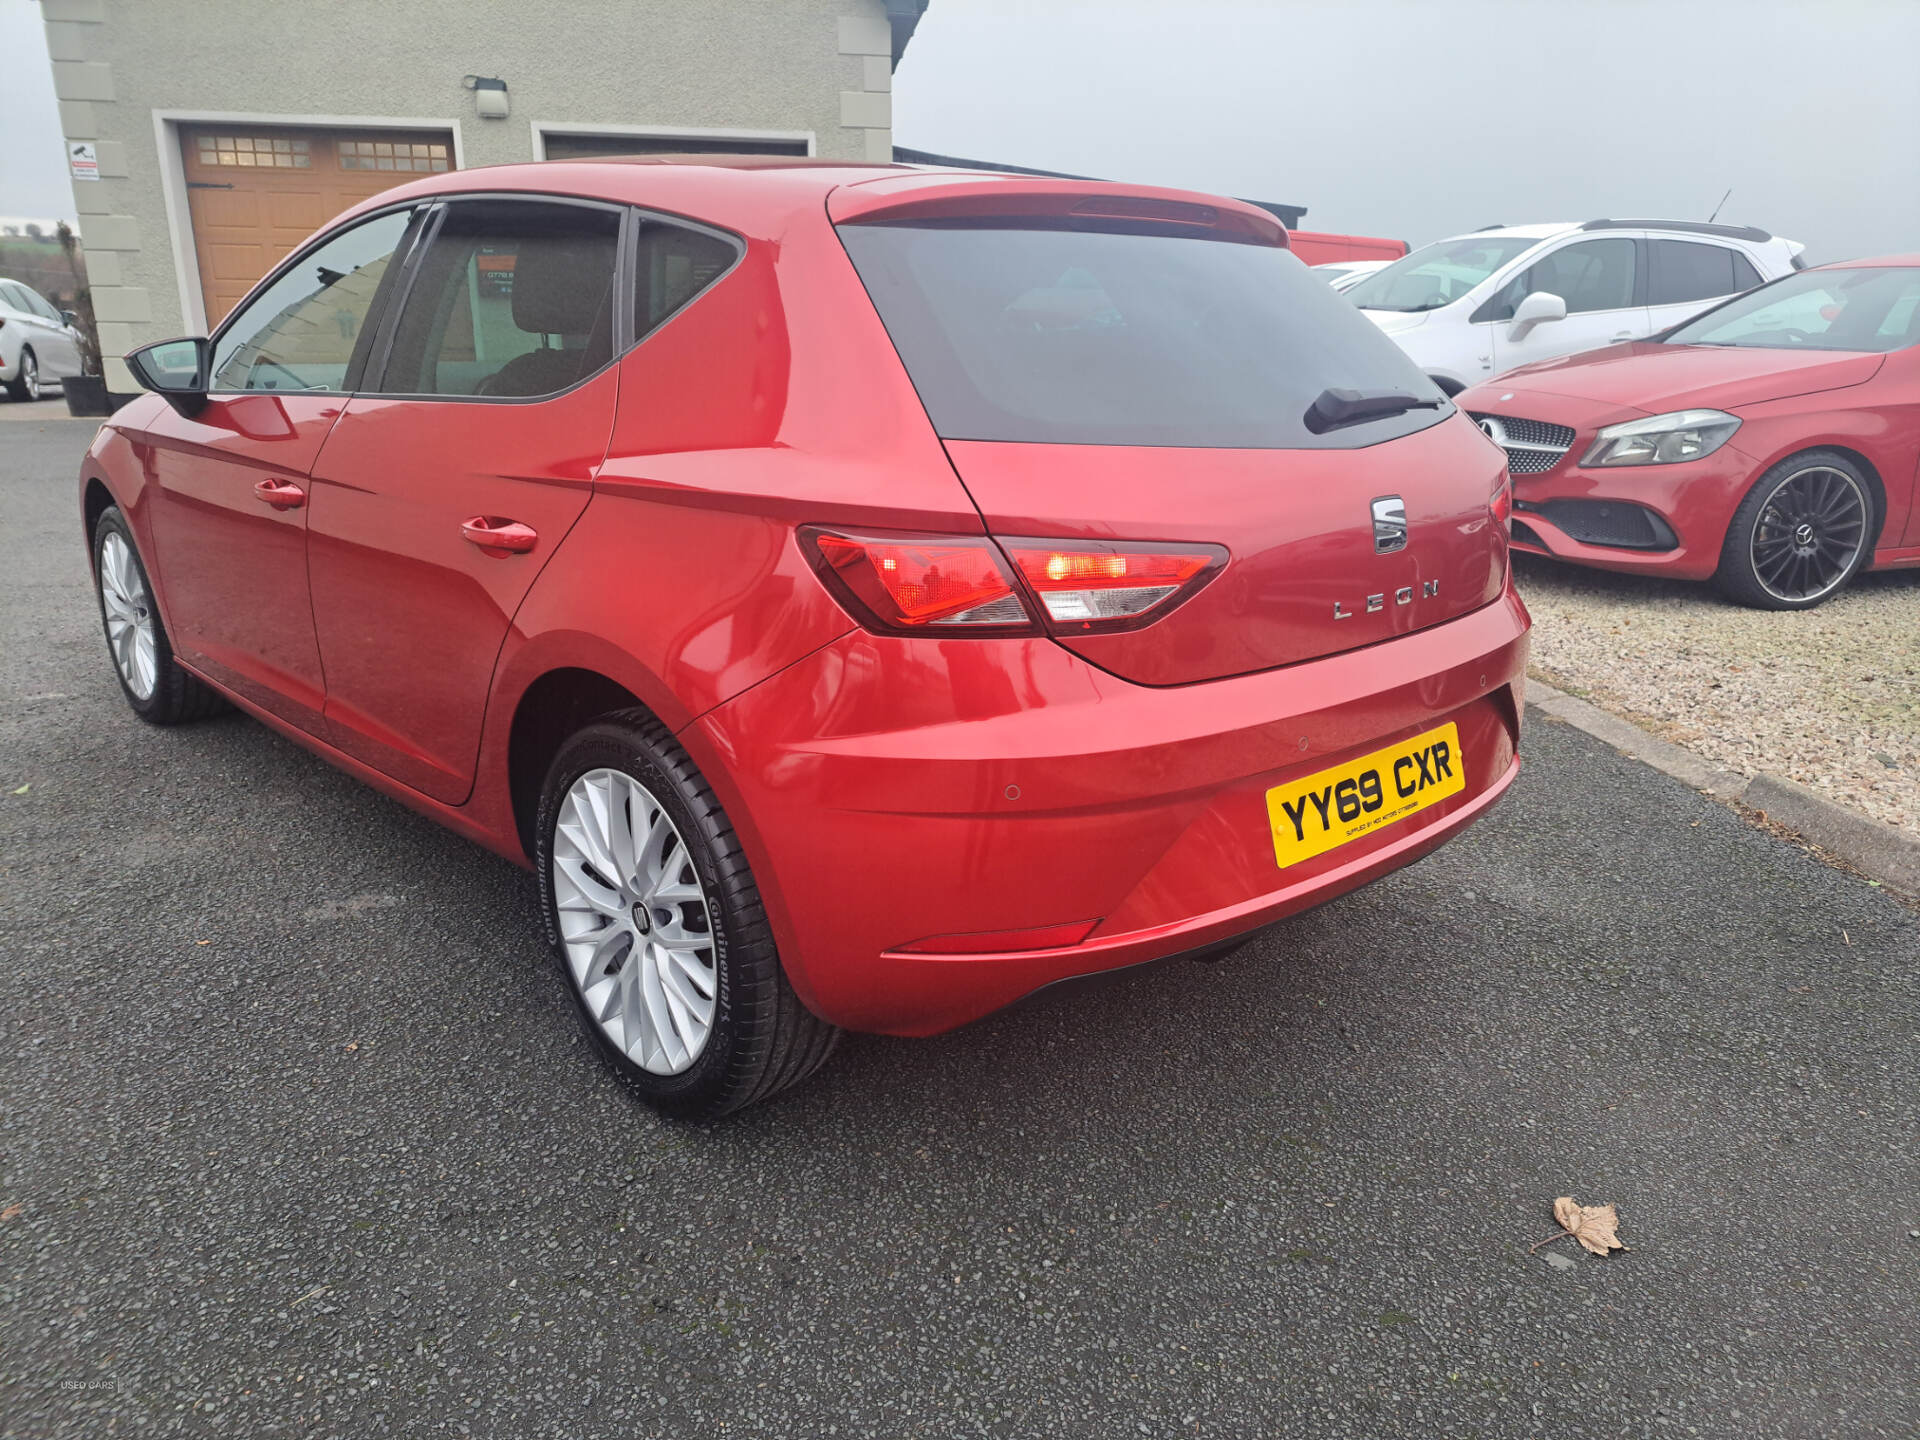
(556, 706)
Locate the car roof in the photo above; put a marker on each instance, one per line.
(1543, 230)
(756, 193)
(1547, 230)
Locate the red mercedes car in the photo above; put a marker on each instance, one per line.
(1770, 445)
(864, 595)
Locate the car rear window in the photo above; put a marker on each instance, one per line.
(1095, 336)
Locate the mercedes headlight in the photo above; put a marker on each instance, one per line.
(1662, 439)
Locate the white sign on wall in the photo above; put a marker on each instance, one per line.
(82, 161)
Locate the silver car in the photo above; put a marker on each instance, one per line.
(38, 344)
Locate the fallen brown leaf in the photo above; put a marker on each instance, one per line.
(11, 1211)
(1596, 1227)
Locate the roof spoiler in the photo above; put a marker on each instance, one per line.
(984, 198)
(1692, 227)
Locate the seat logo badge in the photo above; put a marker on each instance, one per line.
(1389, 525)
(1374, 603)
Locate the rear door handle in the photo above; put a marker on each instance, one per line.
(1623, 335)
(281, 494)
(498, 538)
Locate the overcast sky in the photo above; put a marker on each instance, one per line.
(1408, 118)
(33, 176)
(1421, 118)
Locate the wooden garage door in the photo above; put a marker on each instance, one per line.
(255, 192)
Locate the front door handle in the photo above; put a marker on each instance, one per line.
(497, 537)
(281, 494)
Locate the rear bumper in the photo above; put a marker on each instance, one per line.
(888, 790)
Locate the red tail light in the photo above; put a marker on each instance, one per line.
(915, 583)
(1089, 587)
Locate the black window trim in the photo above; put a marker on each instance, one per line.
(390, 323)
(630, 272)
(626, 269)
(368, 365)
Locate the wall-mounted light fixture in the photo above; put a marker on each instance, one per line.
(489, 96)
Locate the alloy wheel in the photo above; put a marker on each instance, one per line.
(1809, 533)
(634, 921)
(129, 614)
(30, 376)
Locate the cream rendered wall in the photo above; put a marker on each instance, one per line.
(817, 66)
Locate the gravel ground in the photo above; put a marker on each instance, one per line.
(299, 1135)
(1829, 697)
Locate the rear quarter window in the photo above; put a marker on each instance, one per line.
(1099, 336)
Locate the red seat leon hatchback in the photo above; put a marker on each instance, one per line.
(1771, 445)
(864, 595)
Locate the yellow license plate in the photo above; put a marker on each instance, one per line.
(1314, 815)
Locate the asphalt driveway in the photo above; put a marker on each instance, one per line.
(298, 1135)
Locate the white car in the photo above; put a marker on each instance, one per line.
(38, 344)
(1468, 308)
(1345, 274)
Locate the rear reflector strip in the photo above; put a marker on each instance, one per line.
(993, 942)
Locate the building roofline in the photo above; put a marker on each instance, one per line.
(903, 16)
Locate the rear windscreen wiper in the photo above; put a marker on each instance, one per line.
(1335, 408)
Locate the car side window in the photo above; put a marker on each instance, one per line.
(1683, 270)
(39, 305)
(300, 333)
(1745, 277)
(11, 297)
(674, 264)
(512, 298)
(1592, 275)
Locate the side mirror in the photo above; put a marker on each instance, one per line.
(176, 369)
(1539, 308)
(67, 317)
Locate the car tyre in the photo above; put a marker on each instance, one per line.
(26, 385)
(1804, 530)
(677, 930)
(158, 689)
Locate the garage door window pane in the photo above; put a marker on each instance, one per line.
(300, 333)
(511, 300)
(424, 156)
(260, 151)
